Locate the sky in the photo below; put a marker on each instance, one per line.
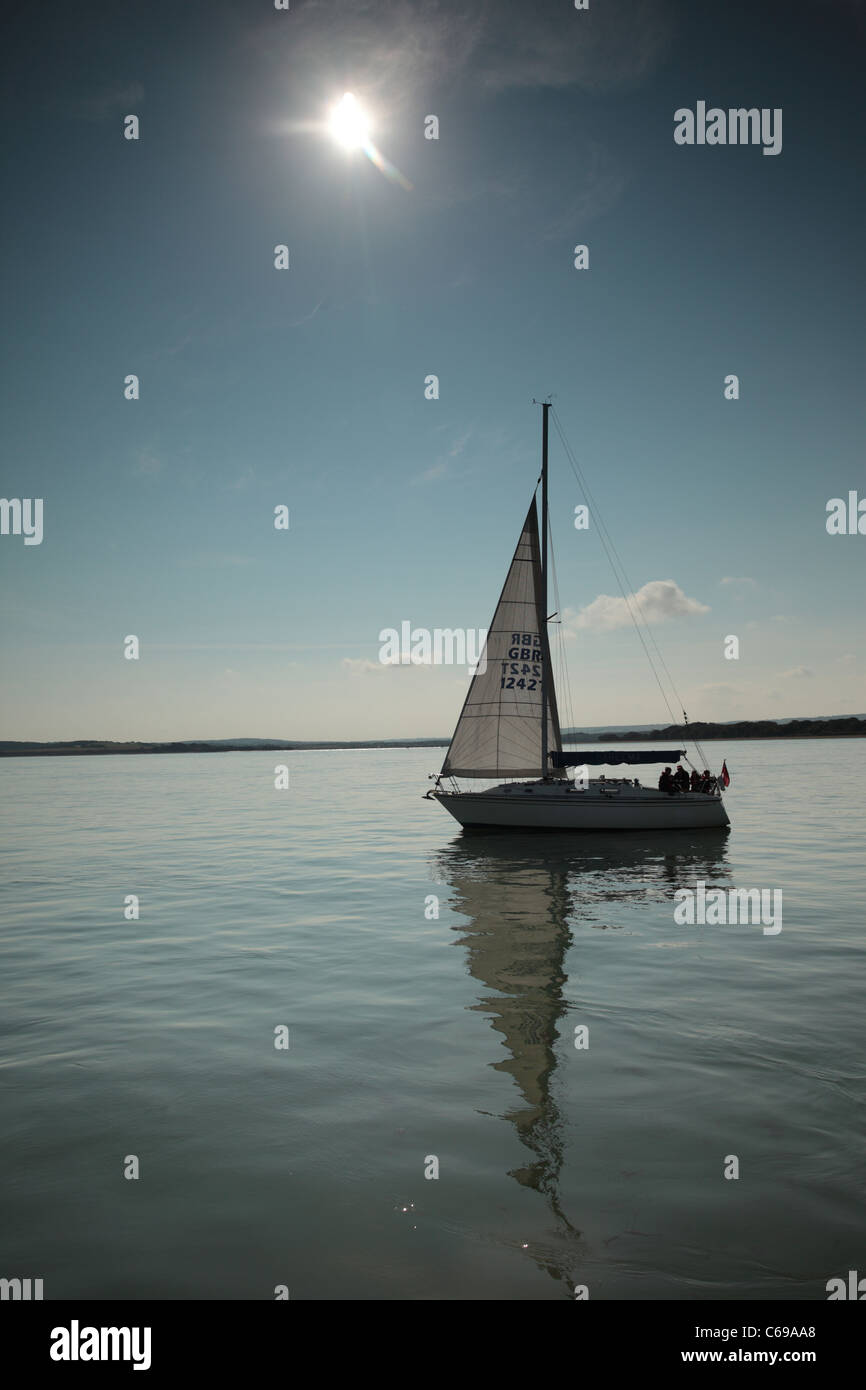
(305, 387)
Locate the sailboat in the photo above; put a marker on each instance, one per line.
(509, 727)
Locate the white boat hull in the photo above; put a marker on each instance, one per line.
(554, 806)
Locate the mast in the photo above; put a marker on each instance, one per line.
(545, 676)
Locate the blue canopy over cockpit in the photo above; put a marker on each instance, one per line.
(613, 756)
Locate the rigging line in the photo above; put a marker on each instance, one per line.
(699, 750)
(566, 682)
(611, 551)
(602, 530)
(606, 535)
(625, 591)
(558, 672)
(563, 683)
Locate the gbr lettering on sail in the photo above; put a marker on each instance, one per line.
(523, 669)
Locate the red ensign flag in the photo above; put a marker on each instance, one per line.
(725, 775)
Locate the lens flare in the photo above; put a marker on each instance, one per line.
(348, 124)
(350, 127)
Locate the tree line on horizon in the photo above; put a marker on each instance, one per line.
(747, 728)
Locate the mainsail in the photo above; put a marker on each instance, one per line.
(498, 733)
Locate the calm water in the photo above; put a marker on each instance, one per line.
(412, 1037)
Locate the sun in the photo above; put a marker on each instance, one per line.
(349, 124)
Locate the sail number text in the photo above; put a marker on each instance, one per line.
(525, 649)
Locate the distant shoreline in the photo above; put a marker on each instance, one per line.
(758, 729)
(27, 750)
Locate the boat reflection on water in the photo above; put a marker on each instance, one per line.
(523, 896)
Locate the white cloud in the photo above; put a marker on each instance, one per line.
(442, 467)
(718, 700)
(598, 184)
(657, 602)
(147, 463)
(393, 48)
(439, 470)
(797, 672)
(718, 688)
(213, 559)
(526, 47)
(242, 481)
(112, 100)
(359, 666)
(295, 323)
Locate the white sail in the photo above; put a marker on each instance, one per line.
(498, 733)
